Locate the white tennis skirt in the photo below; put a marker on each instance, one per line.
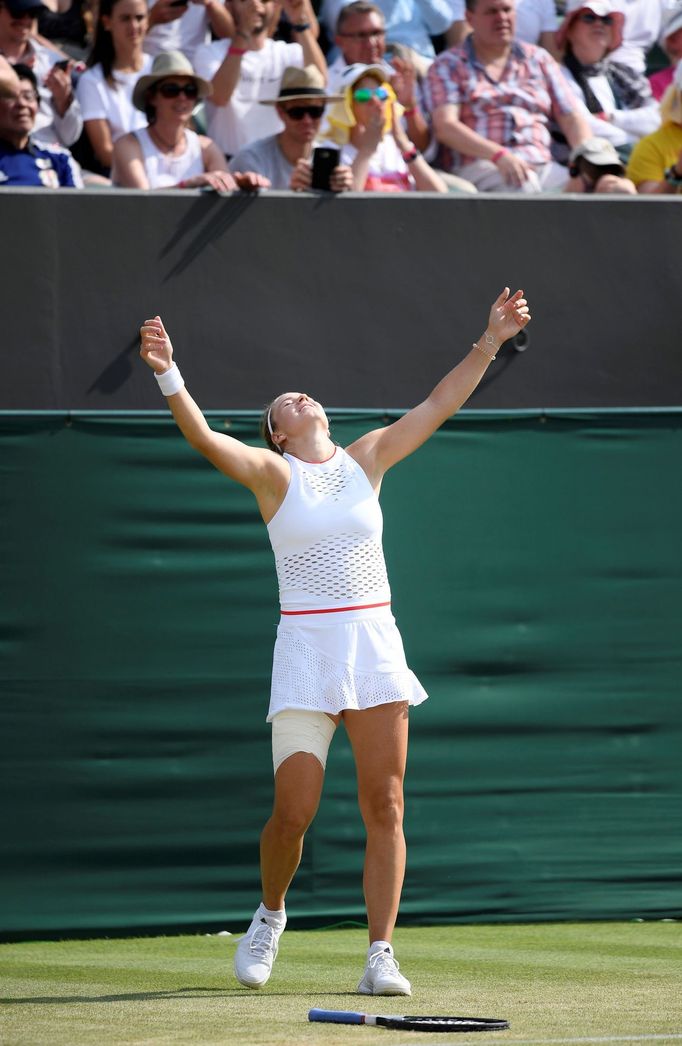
(330, 662)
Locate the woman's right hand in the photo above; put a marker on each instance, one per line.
(155, 346)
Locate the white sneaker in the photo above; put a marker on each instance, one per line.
(257, 951)
(382, 976)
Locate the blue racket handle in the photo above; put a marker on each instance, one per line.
(336, 1016)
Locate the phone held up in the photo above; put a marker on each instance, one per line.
(325, 162)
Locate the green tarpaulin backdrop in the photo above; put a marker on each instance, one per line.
(535, 565)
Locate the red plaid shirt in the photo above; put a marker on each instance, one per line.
(515, 112)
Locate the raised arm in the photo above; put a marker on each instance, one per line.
(382, 448)
(264, 473)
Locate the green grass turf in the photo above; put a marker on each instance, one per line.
(553, 982)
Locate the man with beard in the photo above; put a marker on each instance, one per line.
(247, 69)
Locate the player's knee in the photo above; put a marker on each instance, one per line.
(384, 809)
(291, 823)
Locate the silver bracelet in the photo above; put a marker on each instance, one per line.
(171, 381)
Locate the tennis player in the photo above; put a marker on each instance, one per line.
(338, 654)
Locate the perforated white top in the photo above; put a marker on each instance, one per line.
(326, 537)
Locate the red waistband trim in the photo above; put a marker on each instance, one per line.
(335, 610)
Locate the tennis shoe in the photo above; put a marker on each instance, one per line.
(382, 975)
(257, 951)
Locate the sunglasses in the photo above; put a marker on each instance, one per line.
(297, 112)
(365, 94)
(590, 18)
(175, 90)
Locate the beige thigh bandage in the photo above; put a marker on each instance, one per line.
(298, 731)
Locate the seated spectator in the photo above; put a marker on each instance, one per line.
(536, 23)
(247, 69)
(116, 62)
(619, 101)
(410, 22)
(643, 21)
(59, 120)
(655, 164)
(184, 27)
(492, 101)
(23, 161)
(166, 154)
(373, 143)
(671, 42)
(361, 38)
(285, 158)
(596, 167)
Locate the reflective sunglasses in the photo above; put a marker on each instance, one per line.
(175, 90)
(297, 112)
(589, 18)
(365, 94)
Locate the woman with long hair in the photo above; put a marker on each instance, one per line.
(116, 62)
(338, 654)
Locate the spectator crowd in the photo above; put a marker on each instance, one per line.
(444, 96)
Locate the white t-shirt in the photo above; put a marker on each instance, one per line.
(100, 101)
(532, 18)
(243, 120)
(643, 20)
(185, 34)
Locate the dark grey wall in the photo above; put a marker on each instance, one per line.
(364, 301)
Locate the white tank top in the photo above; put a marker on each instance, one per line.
(163, 170)
(326, 536)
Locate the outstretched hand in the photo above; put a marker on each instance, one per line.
(508, 315)
(155, 346)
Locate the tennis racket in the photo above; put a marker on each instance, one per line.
(446, 1024)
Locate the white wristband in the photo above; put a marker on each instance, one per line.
(171, 381)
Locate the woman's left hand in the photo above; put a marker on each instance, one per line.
(508, 315)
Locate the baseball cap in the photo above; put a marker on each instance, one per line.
(597, 151)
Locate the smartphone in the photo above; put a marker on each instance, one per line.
(63, 64)
(178, 3)
(325, 161)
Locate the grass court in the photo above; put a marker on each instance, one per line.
(555, 983)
